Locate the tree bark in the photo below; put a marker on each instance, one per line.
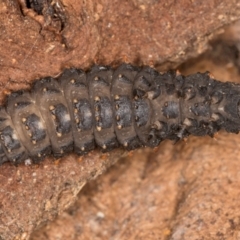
(35, 43)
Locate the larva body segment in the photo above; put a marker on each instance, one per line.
(167, 118)
(55, 113)
(29, 125)
(123, 107)
(10, 141)
(228, 101)
(128, 107)
(99, 80)
(75, 86)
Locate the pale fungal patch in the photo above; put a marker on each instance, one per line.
(66, 118)
(28, 162)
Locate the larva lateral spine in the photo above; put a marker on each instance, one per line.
(128, 107)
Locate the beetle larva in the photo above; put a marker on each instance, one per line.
(127, 107)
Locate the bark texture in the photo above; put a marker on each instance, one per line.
(188, 191)
(79, 33)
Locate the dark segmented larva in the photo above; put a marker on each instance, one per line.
(128, 107)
